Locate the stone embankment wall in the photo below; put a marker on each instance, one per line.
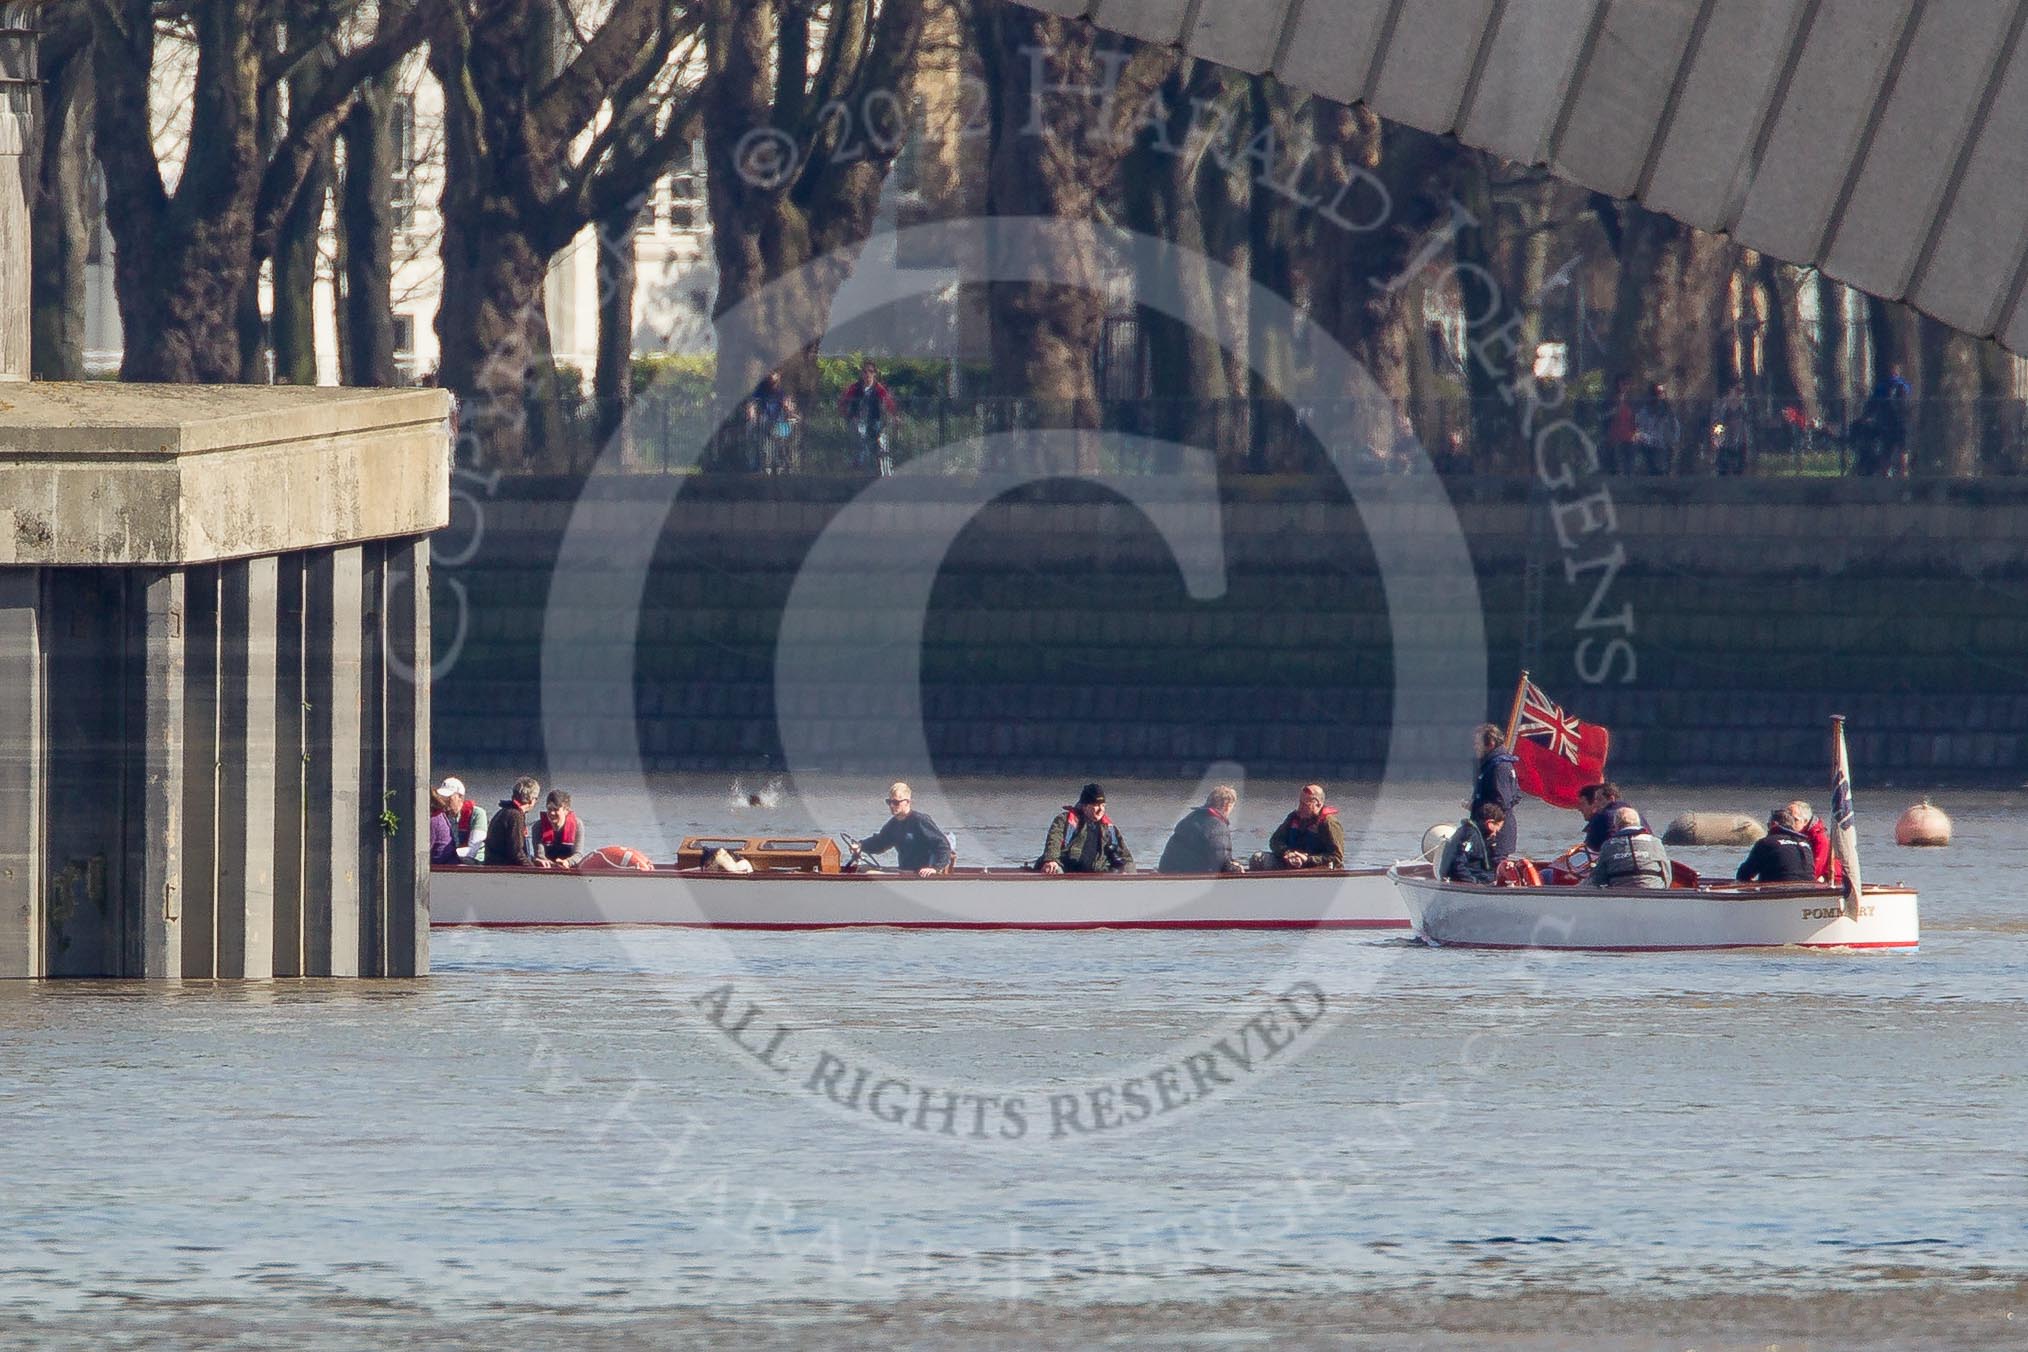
(1713, 625)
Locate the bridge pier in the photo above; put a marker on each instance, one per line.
(214, 679)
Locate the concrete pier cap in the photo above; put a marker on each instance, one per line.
(214, 678)
(107, 473)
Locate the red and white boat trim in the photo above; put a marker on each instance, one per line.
(962, 899)
(1633, 920)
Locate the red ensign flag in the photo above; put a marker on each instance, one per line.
(1558, 754)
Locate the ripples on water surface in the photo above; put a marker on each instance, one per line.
(549, 1124)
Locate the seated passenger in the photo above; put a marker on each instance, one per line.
(1309, 837)
(557, 834)
(1202, 841)
(1783, 855)
(1472, 854)
(1828, 867)
(1598, 802)
(507, 833)
(919, 845)
(468, 820)
(1083, 839)
(443, 844)
(1632, 856)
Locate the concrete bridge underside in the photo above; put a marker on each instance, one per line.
(1883, 141)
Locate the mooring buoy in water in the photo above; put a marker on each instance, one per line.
(1923, 824)
(1713, 828)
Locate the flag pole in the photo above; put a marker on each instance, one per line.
(1514, 714)
(1844, 832)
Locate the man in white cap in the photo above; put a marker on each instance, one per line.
(468, 820)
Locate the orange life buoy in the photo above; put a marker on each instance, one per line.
(617, 859)
(1518, 872)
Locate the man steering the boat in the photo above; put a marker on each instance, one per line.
(1632, 855)
(919, 844)
(1083, 839)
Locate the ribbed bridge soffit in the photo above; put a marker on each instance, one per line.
(1883, 141)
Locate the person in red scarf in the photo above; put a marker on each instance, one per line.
(1829, 870)
(557, 832)
(1083, 839)
(1309, 837)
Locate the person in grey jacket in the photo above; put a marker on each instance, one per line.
(1632, 856)
(1202, 841)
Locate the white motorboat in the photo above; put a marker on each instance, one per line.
(975, 898)
(1568, 914)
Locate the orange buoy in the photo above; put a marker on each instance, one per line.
(1923, 824)
(616, 859)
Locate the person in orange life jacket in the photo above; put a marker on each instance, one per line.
(1309, 837)
(556, 834)
(1496, 783)
(1083, 839)
(1783, 855)
(507, 833)
(468, 820)
(1822, 858)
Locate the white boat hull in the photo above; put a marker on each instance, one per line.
(1711, 915)
(966, 899)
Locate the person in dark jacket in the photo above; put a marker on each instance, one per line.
(1470, 855)
(1310, 837)
(920, 846)
(1496, 783)
(1598, 802)
(1083, 839)
(1202, 841)
(1632, 857)
(507, 833)
(1783, 855)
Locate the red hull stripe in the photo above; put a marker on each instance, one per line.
(924, 924)
(1670, 948)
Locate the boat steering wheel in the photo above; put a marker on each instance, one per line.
(859, 862)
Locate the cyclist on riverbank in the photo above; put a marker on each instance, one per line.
(867, 405)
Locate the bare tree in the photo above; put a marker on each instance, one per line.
(1063, 114)
(62, 218)
(186, 259)
(805, 108)
(551, 123)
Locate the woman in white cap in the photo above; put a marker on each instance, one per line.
(468, 820)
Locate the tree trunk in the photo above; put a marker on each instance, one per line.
(1045, 331)
(1834, 392)
(492, 299)
(1950, 426)
(366, 240)
(1270, 235)
(1161, 200)
(295, 273)
(1792, 362)
(63, 222)
(613, 381)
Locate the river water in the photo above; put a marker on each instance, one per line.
(550, 1141)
